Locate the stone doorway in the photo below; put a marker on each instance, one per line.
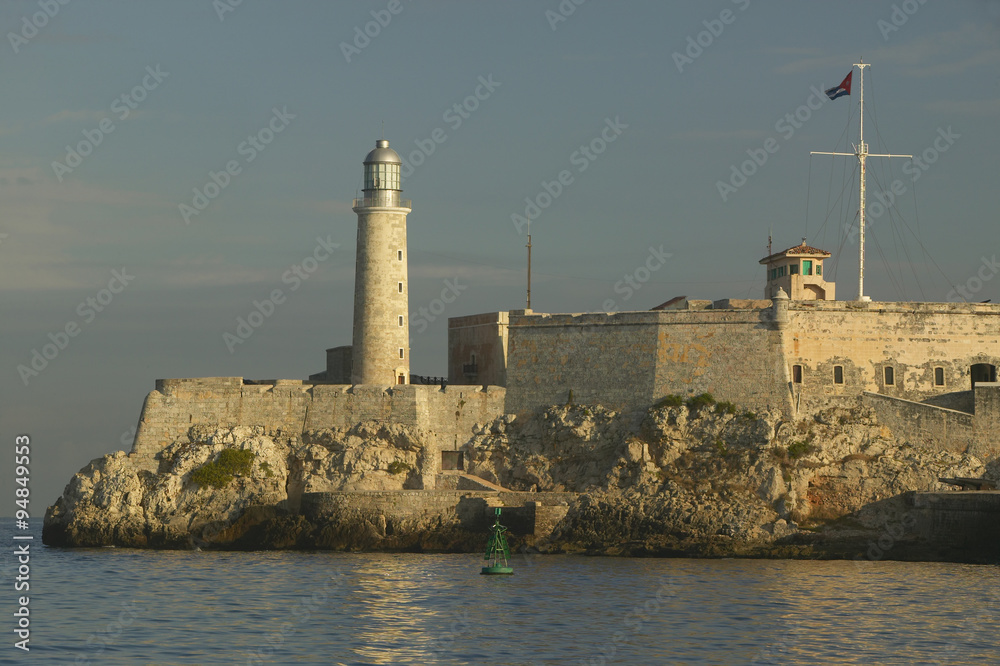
(983, 372)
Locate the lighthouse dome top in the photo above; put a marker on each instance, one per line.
(383, 154)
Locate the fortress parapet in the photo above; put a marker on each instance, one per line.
(446, 416)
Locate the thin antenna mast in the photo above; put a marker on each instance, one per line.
(861, 152)
(529, 270)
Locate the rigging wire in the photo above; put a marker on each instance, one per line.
(926, 253)
(808, 188)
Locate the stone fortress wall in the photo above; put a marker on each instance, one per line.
(629, 360)
(915, 363)
(793, 355)
(447, 416)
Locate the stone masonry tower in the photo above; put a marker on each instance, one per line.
(381, 347)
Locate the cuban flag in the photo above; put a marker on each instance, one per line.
(843, 89)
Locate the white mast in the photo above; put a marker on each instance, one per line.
(861, 152)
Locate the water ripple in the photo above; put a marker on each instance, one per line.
(120, 606)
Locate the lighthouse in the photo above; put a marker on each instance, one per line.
(381, 343)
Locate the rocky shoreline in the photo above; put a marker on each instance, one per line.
(690, 478)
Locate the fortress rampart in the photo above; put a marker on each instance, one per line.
(447, 415)
(630, 360)
(797, 356)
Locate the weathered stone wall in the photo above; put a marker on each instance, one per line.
(912, 338)
(630, 360)
(607, 359)
(523, 513)
(484, 338)
(968, 522)
(339, 364)
(988, 416)
(446, 415)
(930, 427)
(788, 356)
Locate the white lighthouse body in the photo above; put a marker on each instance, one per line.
(381, 346)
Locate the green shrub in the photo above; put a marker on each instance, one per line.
(219, 473)
(798, 449)
(725, 407)
(696, 403)
(750, 416)
(669, 401)
(398, 466)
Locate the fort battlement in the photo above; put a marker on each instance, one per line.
(447, 416)
(796, 356)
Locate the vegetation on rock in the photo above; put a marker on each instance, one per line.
(220, 472)
(699, 402)
(398, 467)
(672, 400)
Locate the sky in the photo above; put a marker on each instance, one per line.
(168, 166)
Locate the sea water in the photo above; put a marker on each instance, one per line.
(126, 606)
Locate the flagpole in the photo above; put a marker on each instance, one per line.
(861, 152)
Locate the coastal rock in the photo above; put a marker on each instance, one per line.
(369, 456)
(113, 501)
(695, 479)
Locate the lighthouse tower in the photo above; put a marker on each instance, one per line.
(381, 346)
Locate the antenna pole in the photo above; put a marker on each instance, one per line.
(529, 270)
(767, 281)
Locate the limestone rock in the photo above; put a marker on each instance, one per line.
(669, 481)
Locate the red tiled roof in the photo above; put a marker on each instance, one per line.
(801, 248)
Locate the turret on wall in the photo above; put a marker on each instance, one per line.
(799, 271)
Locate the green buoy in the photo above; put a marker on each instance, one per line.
(497, 551)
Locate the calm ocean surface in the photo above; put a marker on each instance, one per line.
(114, 606)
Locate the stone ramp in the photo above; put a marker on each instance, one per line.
(458, 480)
(470, 482)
